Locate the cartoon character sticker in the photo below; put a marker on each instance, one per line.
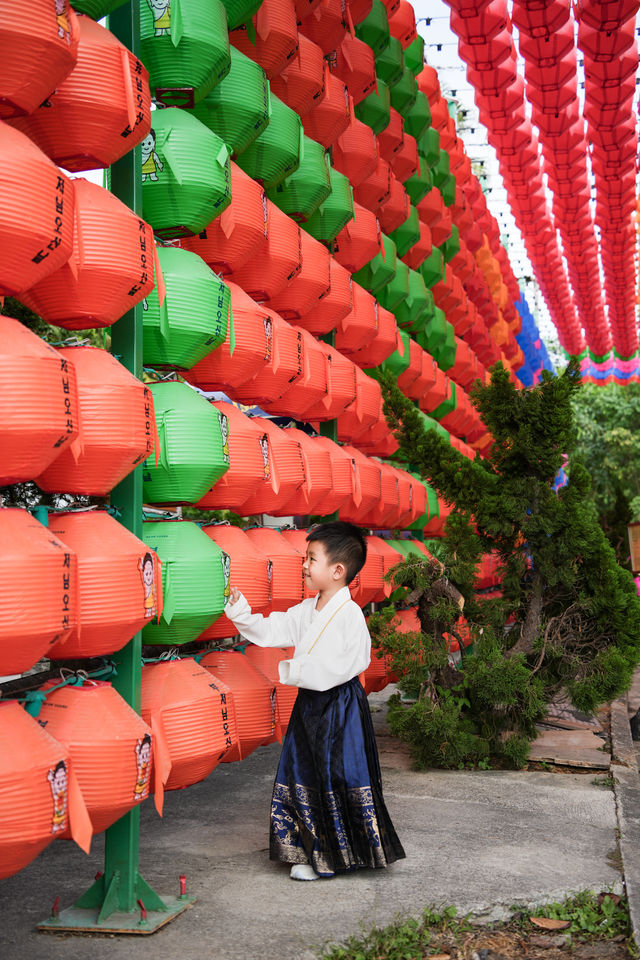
(146, 566)
(151, 162)
(62, 19)
(264, 447)
(223, 420)
(143, 763)
(161, 10)
(268, 333)
(226, 573)
(58, 782)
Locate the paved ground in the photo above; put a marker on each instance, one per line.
(482, 840)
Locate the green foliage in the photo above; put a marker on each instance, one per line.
(569, 615)
(591, 917)
(13, 308)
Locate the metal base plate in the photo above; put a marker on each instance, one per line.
(81, 920)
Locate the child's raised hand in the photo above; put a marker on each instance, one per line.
(234, 596)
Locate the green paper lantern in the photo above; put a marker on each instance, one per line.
(448, 190)
(433, 507)
(374, 29)
(411, 313)
(414, 55)
(240, 11)
(397, 363)
(407, 548)
(275, 154)
(186, 175)
(432, 269)
(396, 290)
(195, 581)
(238, 108)
(451, 246)
(192, 320)
(194, 446)
(446, 353)
(429, 146)
(300, 195)
(334, 214)
(390, 62)
(418, 118)
(184, 44)
(407, 233)
(448, 405)
(374, 109)
(404, 92)
(441, 170)
(96, 9)
(380, 270)
(432, 337)
(419, 184)
(430, 424)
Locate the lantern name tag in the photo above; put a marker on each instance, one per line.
(128, 130)
(56, 240)
(147, 430)
(144, 278)
(64, 367)
(66, 587)
(225, 717)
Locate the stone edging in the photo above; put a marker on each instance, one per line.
(626, 786)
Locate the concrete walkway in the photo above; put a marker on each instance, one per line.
(484, 841)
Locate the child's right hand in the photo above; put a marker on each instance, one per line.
(234, 596)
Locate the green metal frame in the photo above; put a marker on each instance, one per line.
(120, 900)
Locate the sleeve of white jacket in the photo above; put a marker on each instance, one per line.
(342, 652)
(276, 630)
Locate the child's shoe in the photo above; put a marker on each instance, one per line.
(303, 871)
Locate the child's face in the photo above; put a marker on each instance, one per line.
(320, 573)
(147, 573)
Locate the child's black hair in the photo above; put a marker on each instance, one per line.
(343, 543)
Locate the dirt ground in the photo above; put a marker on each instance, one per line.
(509, 943)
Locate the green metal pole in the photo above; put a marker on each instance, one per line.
(329, 428)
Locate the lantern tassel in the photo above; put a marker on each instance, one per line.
(176, 27)
(161, 761)
(79, 820)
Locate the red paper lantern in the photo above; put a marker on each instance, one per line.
(311, 496)
(366, 485)
(359, 241)
(390, 557)
(254, 699)
(298, 540)
(301, 83)
(355, 65)
(111, 267)
(283, 368)
(402, 24)
(359, 9)
(341, 487)
(37, 208)
(309, 389)
(363, 412)
(266, 660)
(280, 259)
(355, 152)
(341, 386)
(359, 326)
(117, 426)
(283, 468)
(331, 116)
(326, 25)
(100, 111)
(287, 578)
(276, 36)
(38, 403)
(368, 582)
(395, 210)
(373, 191)
(248, 467)
(249, 572)
(383, 343)
(309, 287)
(239, 233)
(39, 42)
(391, 138)
(328, 313)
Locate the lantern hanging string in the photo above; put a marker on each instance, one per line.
(35, 698)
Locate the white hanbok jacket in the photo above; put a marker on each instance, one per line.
(331, 645)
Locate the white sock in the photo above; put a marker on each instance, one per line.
(303, 871)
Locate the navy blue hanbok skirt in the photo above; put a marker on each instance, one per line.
(327, 807)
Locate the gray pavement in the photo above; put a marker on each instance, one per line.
(484, 841)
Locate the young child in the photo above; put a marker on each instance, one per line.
(328, 815)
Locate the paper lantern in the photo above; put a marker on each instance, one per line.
(359, 326)
(414, 55)
(238, 107)
(192, 320)
(301, 84)
(318, 478)
(390, 62)
(39, 575)
(404, 92)
(298, 540)
(185, 50)
(37, 208)
(119, 584)
(397, 289)
(368, 582)
(359, 9)
(34, 778)
(417, 309)
(108, 744)
(374, 28)
(195, 581)
(186, 177)
(275, 154)
(374, 109)
(380, 269)
(331, 115)
(236, 236)
(192, 446)
(311, 284)
(287, 578)
(418, 117)
(342, 469)
(336, 211)
(341, 386)
(117, 426)
(100, 111)
(395, 210)
(405, 162)
(390, 139)
(390, 557)
(250, 572)
(377, 676)
(334, 306)
(254, 699)
(266, 660)
(283, 367)
(355, 152)
(110, 269)
(364, 411)
(407, 233)
(356, 67)
(38, 403)
(191, 718)
(223, 369)
(366, 485)
(373, 191)
(325, 25)
(384, 342)
(274, 40)
(39, 42)
(419, 184)
(280, 260)
(359, 241)
(239, 11)
(247, 466)
(283, 470)
(300, 195)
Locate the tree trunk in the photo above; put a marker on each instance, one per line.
(533, 621)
